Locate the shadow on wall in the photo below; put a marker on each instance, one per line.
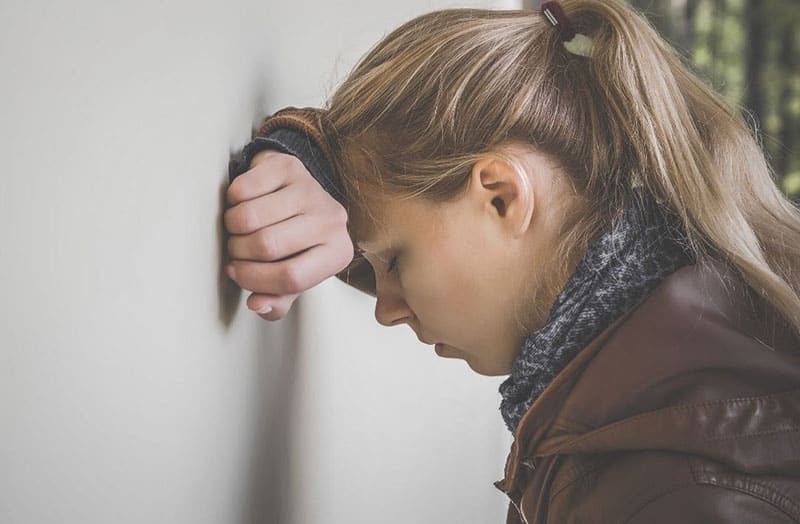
(267, 479)
(228, 291)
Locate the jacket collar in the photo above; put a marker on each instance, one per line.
(619, 269)
(535, 424)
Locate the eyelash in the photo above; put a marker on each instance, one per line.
(392, 265)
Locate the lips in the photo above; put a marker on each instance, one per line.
(424, 341)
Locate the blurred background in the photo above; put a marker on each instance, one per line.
(748, 51)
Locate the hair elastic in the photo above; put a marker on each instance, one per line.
(576, 43)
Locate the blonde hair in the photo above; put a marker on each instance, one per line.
(450, 86)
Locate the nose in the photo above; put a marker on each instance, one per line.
(391, 309)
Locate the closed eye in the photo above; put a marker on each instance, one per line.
(392, 262)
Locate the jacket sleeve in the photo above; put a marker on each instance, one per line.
(297, 131)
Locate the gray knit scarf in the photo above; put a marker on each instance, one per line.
(618, 271)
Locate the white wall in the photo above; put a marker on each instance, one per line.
(135, 386)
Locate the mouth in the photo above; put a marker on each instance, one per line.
(439, 348)
(424, 341)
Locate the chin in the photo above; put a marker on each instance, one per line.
(486, 372)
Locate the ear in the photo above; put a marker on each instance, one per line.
(508, 194)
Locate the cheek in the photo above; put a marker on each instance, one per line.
(440, 290)
(425, 288)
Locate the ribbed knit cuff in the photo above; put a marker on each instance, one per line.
(294, 143)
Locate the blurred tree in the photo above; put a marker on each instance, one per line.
(688, 32)
(755, 19)
(746, 50)
(788, 100)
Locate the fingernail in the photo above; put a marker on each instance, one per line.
(231, 272)
(264, 310)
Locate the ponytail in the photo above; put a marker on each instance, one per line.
(691, 151)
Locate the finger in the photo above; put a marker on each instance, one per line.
(291, 275)
(252, 215)
(265, 177)
(280, 305)
(279, 240)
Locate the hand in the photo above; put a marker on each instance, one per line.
(287, 233)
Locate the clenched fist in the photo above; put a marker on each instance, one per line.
(287, 233)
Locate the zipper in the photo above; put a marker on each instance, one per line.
(519, 512)
(530, 463)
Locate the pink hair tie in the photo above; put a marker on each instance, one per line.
(576, 43)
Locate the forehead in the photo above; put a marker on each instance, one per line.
(384, 221)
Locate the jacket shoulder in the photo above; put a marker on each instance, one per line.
(698, 336)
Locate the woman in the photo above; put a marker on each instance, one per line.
(558, 199)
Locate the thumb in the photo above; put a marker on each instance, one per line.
(271, 307)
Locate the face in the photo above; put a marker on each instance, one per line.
(455, 272)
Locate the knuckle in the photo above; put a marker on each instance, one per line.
(340, 215)
(268, 246)
(293, 279)
(247, 219)
(236, 219)
(347, 252)
(281, 163)
(293, 164)
(320, 199)
(345, 245)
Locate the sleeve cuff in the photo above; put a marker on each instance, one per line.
(295, 143)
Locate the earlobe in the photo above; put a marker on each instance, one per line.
(507, 190)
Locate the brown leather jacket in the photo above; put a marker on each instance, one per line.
(684, 410)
